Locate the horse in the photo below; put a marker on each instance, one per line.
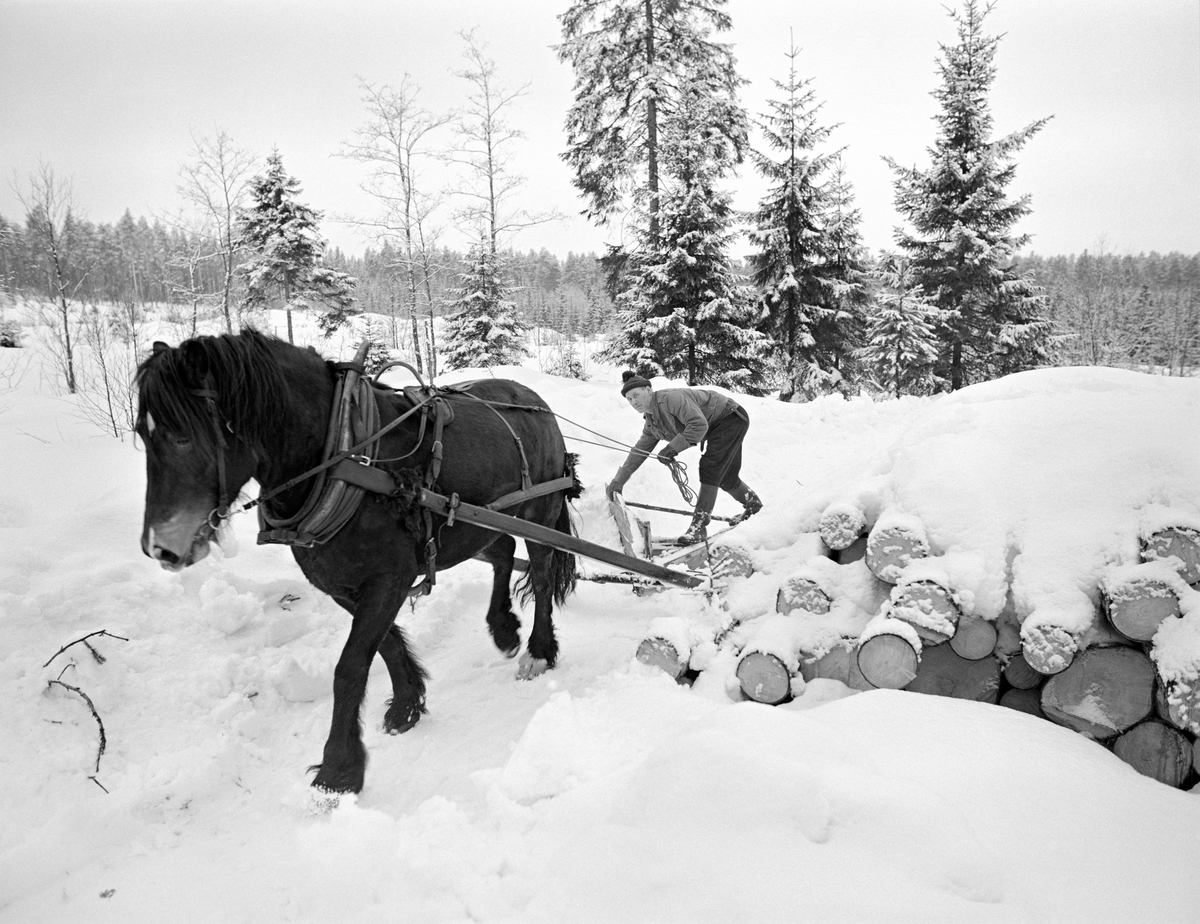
(215, 412)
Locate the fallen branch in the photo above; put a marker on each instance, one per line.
(100, 659)
(96, 715)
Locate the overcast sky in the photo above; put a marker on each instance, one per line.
(110, 94)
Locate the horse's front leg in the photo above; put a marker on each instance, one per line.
(345, 759)
(542, 650)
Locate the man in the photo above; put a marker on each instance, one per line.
(685, 417)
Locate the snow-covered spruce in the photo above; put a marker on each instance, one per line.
(896, 540)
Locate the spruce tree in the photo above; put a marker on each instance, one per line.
(285, 252)
(808, 264)
(483, 328)
(962, 243)
(634, 61)
(901, 343)
(685, 312)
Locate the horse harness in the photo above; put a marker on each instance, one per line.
(347, 470)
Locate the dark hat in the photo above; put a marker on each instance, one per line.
(631, 380)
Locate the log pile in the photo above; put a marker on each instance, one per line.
(1102, 683)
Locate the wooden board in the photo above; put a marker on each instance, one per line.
(620, 514)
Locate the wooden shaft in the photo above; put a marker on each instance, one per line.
(514, 526)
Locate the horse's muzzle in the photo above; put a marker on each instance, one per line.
(174, 546)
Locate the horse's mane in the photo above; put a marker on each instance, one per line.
(243, 371)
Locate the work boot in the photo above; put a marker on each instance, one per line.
(748, 499)
(698, 531)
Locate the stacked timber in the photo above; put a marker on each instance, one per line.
(1048, 649)
(889, 653)
(1103, 693)
(842, 523)
(974, 638)
(1155, 749)
(1179, 545)
(802, 593)
(1029, 701)
(1138, 598)
(942, 672)
(928, 607)
(895, 541)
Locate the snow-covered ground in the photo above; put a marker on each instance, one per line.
(601, 791)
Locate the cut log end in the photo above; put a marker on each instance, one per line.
(1138, 608)
(660, 653)
(802, 594)
(1048, 649)
(1178, 543)
(890, 550)
(840, 526)
(888, 661)
(764, 678)
(1103, 693)
(1158, 751)
(1020, 674)
(943, 673)
(1029, 701)
(928, 608)
(974, 639)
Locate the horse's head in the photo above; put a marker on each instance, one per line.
(197, 410)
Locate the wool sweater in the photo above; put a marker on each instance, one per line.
(682, 416)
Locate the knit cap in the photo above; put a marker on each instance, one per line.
(630, 381)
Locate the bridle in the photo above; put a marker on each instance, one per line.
(221, 512)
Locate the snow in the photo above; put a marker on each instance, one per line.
(602, 790)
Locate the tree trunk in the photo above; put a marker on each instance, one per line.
(764, 678)
(944, 673)
(1178, 542)
(800, 593)
(1137, 608)
(928, 608)
(974, 638)
(887, 661)
(891, 548)
(1157, 750)
(1104, 692)
(651, 128)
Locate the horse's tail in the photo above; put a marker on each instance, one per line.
(561, 572)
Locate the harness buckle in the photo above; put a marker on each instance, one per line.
(453, 505)
(362, 459)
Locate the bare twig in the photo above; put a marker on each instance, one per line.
(99, 658)
(87, 699)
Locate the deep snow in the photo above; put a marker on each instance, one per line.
(602, 791)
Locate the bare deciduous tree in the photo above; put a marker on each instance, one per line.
(393, 144)
(215, 181)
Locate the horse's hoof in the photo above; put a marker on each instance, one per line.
(322, 801)
(511, 652)
(531, 667)
(396, 721)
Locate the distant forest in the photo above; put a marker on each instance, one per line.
(1134, 311)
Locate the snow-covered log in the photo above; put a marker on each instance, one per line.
(944, 673)
(974, 638)
(1183, 705)
(1104, 692)
(1024, 701)
(926, 606)
(841, 524)
(801, 593)
(1136, 600)
(764, 678)
(1048, 649)
(658, 652)
(1157, 750)
(855, 551)
(1175, 542)
(888, 654)
(896, 540)
(1021, 675)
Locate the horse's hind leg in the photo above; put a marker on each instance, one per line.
(542, 651)
(408, 683)
(502, 621)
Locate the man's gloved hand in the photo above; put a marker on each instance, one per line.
(667, 455)
(612, 489)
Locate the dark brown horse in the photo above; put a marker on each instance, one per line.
(271, 403)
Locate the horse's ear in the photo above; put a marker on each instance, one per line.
(160, 347)
(195, 361)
